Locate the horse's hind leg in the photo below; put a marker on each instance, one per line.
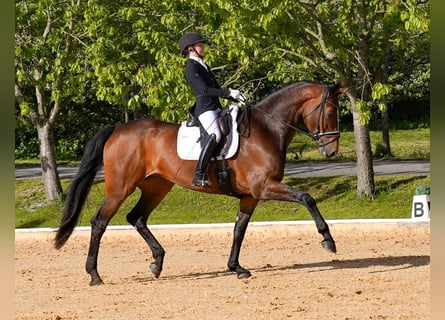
(99, 223)
(154, 189)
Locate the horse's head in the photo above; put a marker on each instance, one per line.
(321, 117)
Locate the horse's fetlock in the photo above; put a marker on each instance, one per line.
(158, 254)
(90, 265)
(232, 266)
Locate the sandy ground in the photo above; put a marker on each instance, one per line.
(381, 271)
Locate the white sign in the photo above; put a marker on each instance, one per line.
(421, 207)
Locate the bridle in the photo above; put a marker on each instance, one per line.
(319, 133)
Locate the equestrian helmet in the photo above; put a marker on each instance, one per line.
(189, 39)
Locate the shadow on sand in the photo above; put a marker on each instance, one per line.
(393, 263)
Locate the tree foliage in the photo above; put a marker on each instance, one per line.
(125, 53)
(50, 72)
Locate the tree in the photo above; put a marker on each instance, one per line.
(135, 57)
(50, 72)
(341, 40)
(401, 68)
(126, 53)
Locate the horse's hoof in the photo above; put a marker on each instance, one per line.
(96, 282)
(241, 273)
(244, 275)
(329, 245)
(95, 278)
(155, 269)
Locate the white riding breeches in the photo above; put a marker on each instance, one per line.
(209, 121)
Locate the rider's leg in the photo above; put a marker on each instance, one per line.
(209, 122)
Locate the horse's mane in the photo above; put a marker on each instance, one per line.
(272, 97)
(270, 100)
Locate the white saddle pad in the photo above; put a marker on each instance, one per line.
(189, 147)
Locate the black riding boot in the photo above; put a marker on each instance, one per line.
(203, 162)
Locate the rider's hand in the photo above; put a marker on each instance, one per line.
(235, 94)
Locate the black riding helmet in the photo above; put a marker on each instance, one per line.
(189, 39)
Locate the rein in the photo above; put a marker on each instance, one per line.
(314, 136)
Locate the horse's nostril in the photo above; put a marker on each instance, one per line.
(333, 153)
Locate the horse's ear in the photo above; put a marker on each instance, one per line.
(343, 90)
(338, 90)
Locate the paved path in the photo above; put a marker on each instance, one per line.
(299, 169)
(381, 168)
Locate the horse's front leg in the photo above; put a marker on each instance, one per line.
(246, 208)
(308, 201)
(280, 191)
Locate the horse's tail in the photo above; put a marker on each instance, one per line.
(92, 160)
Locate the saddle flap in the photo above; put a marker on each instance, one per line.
(188, 140)
(225, 121)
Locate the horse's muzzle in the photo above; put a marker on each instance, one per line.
(329, 148)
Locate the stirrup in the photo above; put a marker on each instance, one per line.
(200, 180)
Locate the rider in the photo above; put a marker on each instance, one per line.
(207, 93)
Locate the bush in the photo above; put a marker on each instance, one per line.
(423, 189)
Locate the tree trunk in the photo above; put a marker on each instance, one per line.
(136, 113)
(385, 132)
(50, 176)
(365, 169)
(126, 113)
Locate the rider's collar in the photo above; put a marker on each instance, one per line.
(201, 61)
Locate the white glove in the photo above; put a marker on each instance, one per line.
(235, 94)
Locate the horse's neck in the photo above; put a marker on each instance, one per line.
(283, 109)
(275, 124)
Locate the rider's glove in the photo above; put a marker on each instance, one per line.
(235, 94)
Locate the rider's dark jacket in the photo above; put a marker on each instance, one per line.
(205, 87)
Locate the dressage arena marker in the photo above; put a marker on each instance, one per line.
(412, 221)
(421, 207)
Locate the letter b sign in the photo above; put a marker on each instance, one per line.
(421, 207)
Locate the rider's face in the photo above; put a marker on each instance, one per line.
(200, 49)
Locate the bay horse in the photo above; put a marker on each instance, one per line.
(142, 154)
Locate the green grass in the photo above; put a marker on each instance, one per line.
(336, 198)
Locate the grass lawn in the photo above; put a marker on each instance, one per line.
(336, 198)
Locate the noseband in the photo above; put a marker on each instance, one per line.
(318, 134)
